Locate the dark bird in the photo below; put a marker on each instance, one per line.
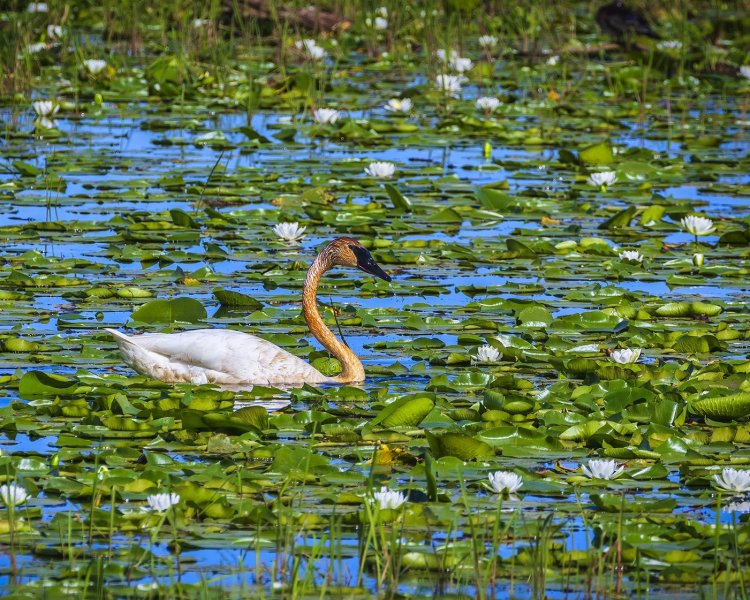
(619, 21)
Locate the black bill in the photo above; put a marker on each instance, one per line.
(366, 263)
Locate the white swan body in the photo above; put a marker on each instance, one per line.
(228, 357)
(222, 356)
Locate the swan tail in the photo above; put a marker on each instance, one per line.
(119, 336)
(135, 356)
(152, 363)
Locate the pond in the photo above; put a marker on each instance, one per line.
(557, 392)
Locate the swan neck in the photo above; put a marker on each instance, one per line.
(353, 370)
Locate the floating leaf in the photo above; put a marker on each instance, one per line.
(535, 316)
(41, 383)
(181, 218)
(620, 220)
(459, 445)
(722, 408)
(400, 202)
(408, 411)
(597, 154)
(187, 310)
(236, 299)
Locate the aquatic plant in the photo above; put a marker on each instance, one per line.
(505, 481)
(697, 225)
(389, 499)
(631, 256)
(289, 232)
(380, 169)
(398, 105)
(730, 479)
(326, 116)
(602, 179)
(626, 355)
(602, 469)
(487, 354)
(94, 65)
(487, 104)
(12, 494)
(487, 41)
(450, 84)
(162, 502)
(311, 49)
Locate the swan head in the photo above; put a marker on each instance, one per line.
(349, 252)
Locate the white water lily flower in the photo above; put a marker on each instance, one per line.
(669, 45)
(603, 178)
(584, 348)
(402, 105)
(487, 354)
(626, 356)
(733, 480)
(745, 71)
(326, 116)
(553, 60)
(162, 502)
(95, 65)
(631, 255)
(45, 108)
(389, 499)
(697, 225)
(487, 103)
(487, 41)
(737, 507)
(602, 469)
(210, 137)
(502, 481)
(381, 169)
(698, 259)
(450, 84)
(54, 32)
(34, 48)
(380, 23)
(460, 64)
(37, 7)
(311, 49)
(454, 60)
(289, 232)
(12, 494)
(317, 53)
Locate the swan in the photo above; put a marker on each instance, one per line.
(225, 356)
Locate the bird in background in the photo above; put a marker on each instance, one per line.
(620, 21)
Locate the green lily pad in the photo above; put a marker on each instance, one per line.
(186, 310)
(597, 154)
(736, 406)
(460, 446)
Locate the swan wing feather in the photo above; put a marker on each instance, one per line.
(221, 356)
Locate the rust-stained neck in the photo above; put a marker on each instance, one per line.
(353, 371)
